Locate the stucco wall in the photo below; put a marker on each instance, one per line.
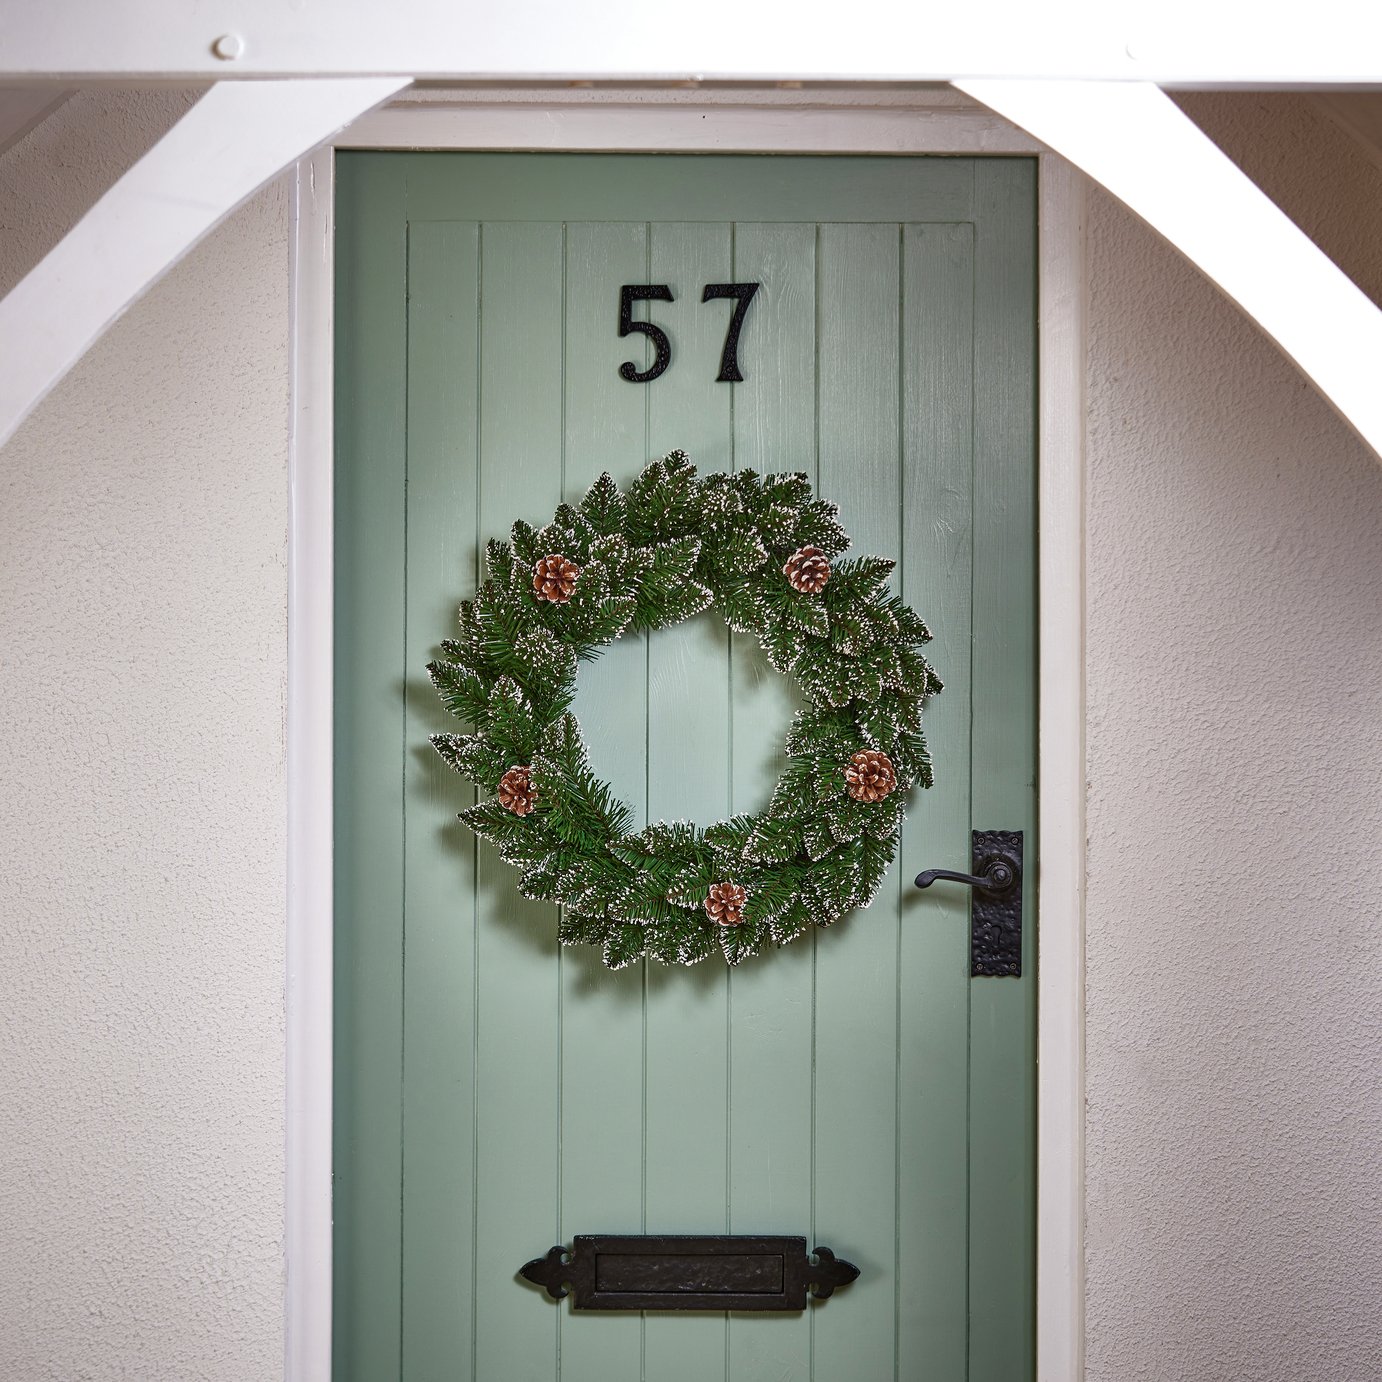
(1235, 681)
(142, 661)
(1234, 997)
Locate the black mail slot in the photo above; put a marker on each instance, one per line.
(698, 1273)
(686, 1272)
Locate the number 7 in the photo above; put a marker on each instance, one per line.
(729, 357)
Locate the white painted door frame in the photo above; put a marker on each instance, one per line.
(769, 121)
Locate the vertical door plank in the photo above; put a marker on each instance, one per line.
(770, 997)
(439, 867)
(688, 778)
(856, 970)
(775, 407)
(687, 408)
(518, 996)
(935, 574)
(601, 1111)
(371, 351)
(1002, 1025)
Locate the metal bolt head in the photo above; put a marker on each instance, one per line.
(228, 47)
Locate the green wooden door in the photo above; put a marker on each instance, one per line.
(496, 1094)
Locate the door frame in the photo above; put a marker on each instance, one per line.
(781, 118)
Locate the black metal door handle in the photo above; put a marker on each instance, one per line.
(995, 915)
(997, 878)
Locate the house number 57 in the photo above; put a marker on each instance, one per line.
(662, 347)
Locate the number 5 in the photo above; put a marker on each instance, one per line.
(648, 292)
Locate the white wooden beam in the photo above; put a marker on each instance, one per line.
(1167, 41)
(233, 141)
(1135, 141)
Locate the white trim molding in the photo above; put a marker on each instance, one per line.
(1138, 143)
(769, 121)
(311, 931)
(878, 120)
(1061, 773)
(234, 140)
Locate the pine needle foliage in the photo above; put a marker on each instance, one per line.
(672, 545)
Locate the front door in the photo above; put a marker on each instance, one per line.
(497, 1094)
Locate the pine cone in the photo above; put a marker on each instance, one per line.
(725, 904)
(516, 791)
(807, 571)
(870, 775)
(554, 578)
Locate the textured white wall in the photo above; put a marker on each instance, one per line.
(142, 664)
(1235, 679)
(1234, 997)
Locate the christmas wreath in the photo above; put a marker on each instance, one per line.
(764, 552)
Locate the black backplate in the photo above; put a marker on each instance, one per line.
(995, 928)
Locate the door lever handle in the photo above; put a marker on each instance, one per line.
(995, 914)
(997, 878)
